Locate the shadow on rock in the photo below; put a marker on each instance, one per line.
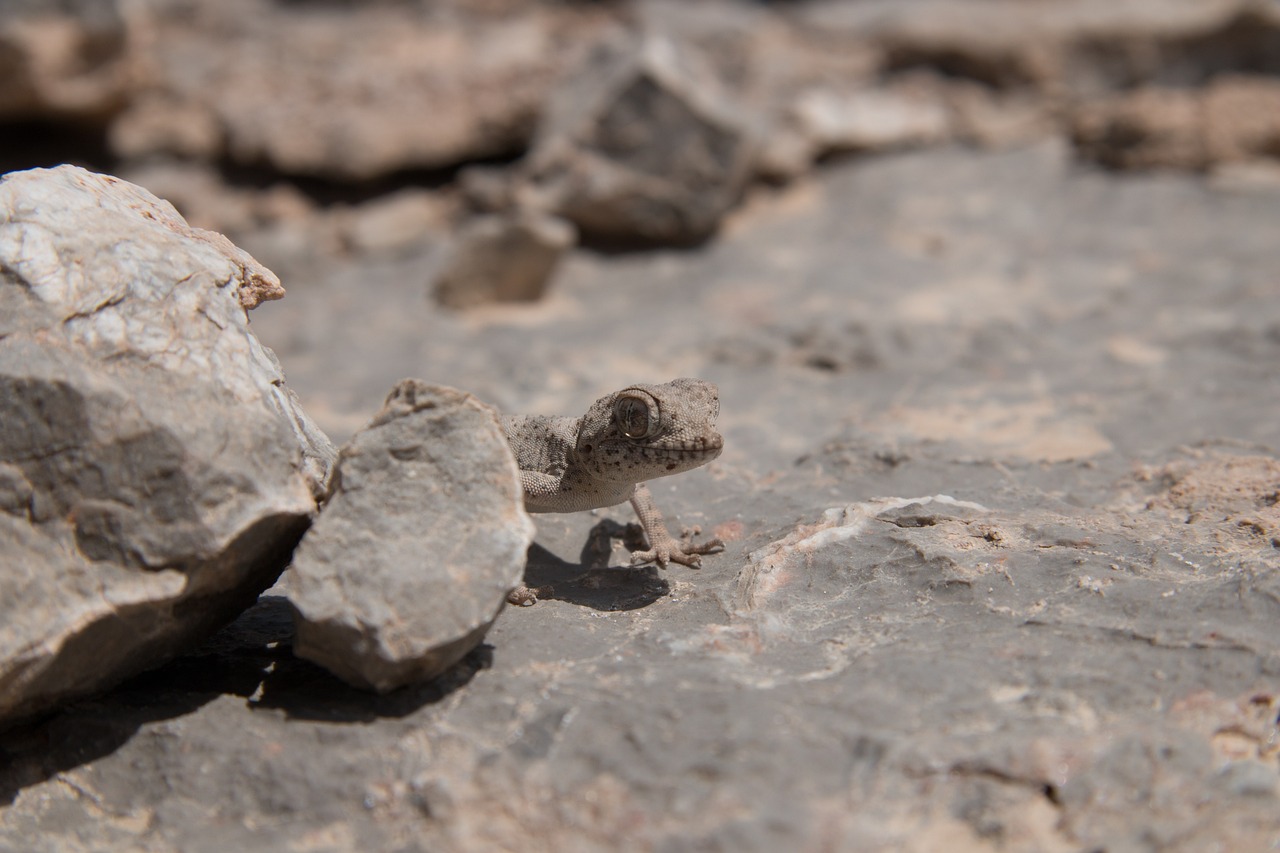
(252, 658)
(592, 582)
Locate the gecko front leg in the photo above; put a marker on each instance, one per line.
(663, 547)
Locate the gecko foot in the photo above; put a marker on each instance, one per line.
(683, 551)
(526, 596)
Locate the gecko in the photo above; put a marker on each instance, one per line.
(605, 457)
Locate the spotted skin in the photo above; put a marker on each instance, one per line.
(605, 457)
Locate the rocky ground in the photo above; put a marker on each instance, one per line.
(1000, 492)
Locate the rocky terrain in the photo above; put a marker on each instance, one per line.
(989, 291)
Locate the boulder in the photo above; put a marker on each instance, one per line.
(641, 145)
(155, 472)
(415, 552)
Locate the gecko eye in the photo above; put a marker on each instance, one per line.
(635, 416)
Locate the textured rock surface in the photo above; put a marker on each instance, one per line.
(640, 145)
(503, 258)
(354, 92)
(999, 492)
(155, 473)
(65, 59)
(1234, 119)
(872, 120)
(414, 554)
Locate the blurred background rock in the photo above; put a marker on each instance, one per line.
(298, 123)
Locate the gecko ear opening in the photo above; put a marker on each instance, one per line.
(636, 414)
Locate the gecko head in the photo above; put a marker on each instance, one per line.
(648, 431)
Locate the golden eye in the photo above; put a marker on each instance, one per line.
(635, 417)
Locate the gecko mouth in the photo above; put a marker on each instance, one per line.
(707, 445)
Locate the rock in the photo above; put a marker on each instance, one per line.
(872, 119)
(998, 120)
(768, 63)
(487, 189)
(415, 552)
(69, 61)
(155, 472)
(784, 154)
(1148, 128)
(396, 223)
(165, 123)
(1233, 119)
(352, 93)
(206, 201)
(1251, 177)
(640, 146)
(771, 570)
(503, 258)
(1242, 119)
(1136, 85)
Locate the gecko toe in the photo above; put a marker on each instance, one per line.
(522, 596)
(711, 546)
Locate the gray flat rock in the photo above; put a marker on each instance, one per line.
(413, 556)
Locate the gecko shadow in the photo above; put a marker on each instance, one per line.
(251, 658)
(592, 582)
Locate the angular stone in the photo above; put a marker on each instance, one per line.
(640, 145)
(155, 473)
(413, 556)
(503, 258)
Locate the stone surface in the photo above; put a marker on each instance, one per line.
(871, 120)
(502, 258)
(1150, 128)
(1242, 119)
(354, 93)
(413, 556)
(396, 223)
(155, 472)
(640, 146)
(1232, 120)
(998, 490)
(63, 59)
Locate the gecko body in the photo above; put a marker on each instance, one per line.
(605, 457)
